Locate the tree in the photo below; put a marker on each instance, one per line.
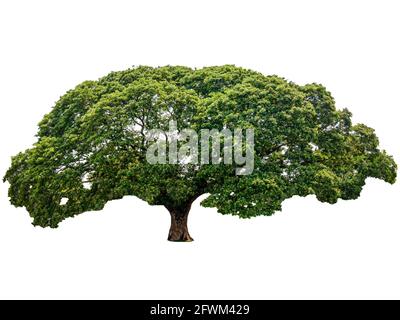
(91, 147)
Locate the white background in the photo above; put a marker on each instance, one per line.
(309, 250)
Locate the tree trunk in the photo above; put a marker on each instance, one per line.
(179, 230)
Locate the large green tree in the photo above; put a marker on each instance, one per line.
(91, 147)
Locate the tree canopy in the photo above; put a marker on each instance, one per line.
(91, 147)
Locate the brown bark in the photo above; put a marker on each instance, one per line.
(179, 230)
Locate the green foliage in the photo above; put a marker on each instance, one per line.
(91, 146)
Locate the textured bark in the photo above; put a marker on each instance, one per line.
(179, 230)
